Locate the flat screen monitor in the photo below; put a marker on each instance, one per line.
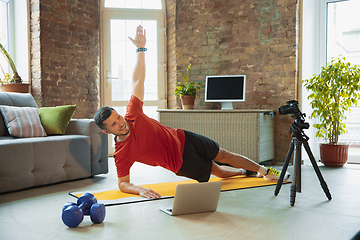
(225, 89)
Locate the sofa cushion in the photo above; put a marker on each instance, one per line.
(56, 119)
(17, 99)
(27, 162)
(22, 121)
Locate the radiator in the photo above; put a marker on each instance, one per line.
(246, 132)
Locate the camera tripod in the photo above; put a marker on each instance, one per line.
(299, 138)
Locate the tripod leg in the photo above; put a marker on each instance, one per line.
(317, 170)
(298, 165)
(294, 185)
(283, 171)
(292, 195)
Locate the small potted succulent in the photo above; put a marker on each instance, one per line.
(333, 92)
(187, 91)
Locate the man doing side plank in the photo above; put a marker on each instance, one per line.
(139, 138)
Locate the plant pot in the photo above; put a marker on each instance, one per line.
(187, 102)
(15, 87)
(334, 155)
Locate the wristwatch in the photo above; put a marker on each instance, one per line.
(141, 49)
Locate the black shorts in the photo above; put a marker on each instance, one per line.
(199, 151)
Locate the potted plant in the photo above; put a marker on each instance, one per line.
(333, 92)
(14, 83)
(188, 91)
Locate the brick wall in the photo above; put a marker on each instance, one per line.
(171, 50)
(224, 37)
(65, 54)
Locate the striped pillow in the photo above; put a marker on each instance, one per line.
(22, 121)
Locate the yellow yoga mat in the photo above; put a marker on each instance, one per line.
(167, 189)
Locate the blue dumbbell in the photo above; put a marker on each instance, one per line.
(73, 214)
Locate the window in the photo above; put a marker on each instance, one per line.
(14, 25)
(343, 38)
(119, 21)
(123, 58)
(343, 30)
(4, 34)
(326, 29)
(139, 4)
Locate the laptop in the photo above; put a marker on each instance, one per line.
(194, 198)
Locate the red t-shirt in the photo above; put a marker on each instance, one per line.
(149, 142)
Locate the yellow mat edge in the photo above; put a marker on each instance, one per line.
(168, 188)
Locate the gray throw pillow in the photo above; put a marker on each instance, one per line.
(22, 121)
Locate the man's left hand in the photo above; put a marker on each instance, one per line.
(140, 38)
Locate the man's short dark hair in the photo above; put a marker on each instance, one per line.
(101, 115)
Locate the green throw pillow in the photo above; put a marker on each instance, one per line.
(56, 119)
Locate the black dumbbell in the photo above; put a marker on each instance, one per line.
(73, 214)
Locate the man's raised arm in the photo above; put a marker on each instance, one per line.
(139, 71)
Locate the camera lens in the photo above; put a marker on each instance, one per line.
(283, 110)
(304, 125)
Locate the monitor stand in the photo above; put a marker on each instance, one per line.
(226, 106)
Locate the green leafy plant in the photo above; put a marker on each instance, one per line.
(189, 88)
(333, 92)
(15, 78)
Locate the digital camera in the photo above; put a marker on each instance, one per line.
(292, 107)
